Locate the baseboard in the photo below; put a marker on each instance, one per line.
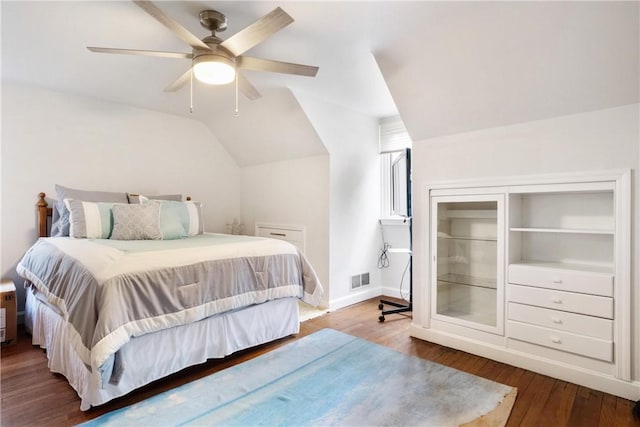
(394, 292)
(354, 298)
(361, 296)
(562, 371)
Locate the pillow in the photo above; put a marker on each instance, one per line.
(136, 222)
(138, 198)
(60, 218)
(179, 219)
(88, 220)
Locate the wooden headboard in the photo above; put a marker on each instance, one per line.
(44, 213)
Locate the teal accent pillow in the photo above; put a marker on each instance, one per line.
(173, 223)
(178, 219)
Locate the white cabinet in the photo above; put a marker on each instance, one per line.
(564, 224)
(291, 233)
(561, 260)
(468, 260)
(534, 272)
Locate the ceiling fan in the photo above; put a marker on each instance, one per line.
(216, 61)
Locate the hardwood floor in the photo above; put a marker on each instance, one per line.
(33, 396)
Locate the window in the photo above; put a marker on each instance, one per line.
(393, 142)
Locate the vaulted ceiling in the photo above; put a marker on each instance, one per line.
(446, 67)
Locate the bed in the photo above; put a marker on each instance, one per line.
(115, 314)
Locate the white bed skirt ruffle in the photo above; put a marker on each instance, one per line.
(153, 356)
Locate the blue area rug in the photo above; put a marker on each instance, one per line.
(327, 378)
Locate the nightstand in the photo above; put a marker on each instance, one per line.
(8, 313)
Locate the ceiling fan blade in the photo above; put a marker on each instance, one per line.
(257, 32)
(174, 26)
(259, 64)
(247, 88)
(182, 80)
(178, 55)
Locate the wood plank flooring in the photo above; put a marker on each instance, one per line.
(33, 396)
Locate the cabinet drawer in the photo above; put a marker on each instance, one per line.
(595, 327)
(586, 282)
(289, 233)
(591, 305)
(280, 233)
(560, 340)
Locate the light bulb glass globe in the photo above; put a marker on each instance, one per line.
(214, 72)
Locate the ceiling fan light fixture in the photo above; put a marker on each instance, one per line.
(214, 69)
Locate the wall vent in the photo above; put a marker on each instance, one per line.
(360, 280)
(364, 279)
(355, 282)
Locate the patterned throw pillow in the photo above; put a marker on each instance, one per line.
(136, 222)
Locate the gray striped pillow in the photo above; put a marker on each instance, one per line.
(88, 220)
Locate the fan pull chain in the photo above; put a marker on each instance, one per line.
(237, 113)
(191, 91)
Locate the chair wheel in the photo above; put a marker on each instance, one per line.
(381, 319)
(380, 306)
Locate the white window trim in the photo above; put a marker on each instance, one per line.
(393, 138)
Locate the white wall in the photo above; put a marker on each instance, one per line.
(52, 138)
(294, 192)
(600, 140)
(396, 233)
(354, 202)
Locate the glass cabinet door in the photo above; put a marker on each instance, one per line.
(468, 260)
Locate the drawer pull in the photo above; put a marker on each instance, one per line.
(556, 280)
(555, 340)
(278, 234)
(556, 300)
(556, 320)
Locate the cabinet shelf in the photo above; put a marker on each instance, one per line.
(473, 238)
(471, 214)
(561, 230)
(463, 279)
(484, 318)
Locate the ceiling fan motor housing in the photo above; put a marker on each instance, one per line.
(216, 54)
